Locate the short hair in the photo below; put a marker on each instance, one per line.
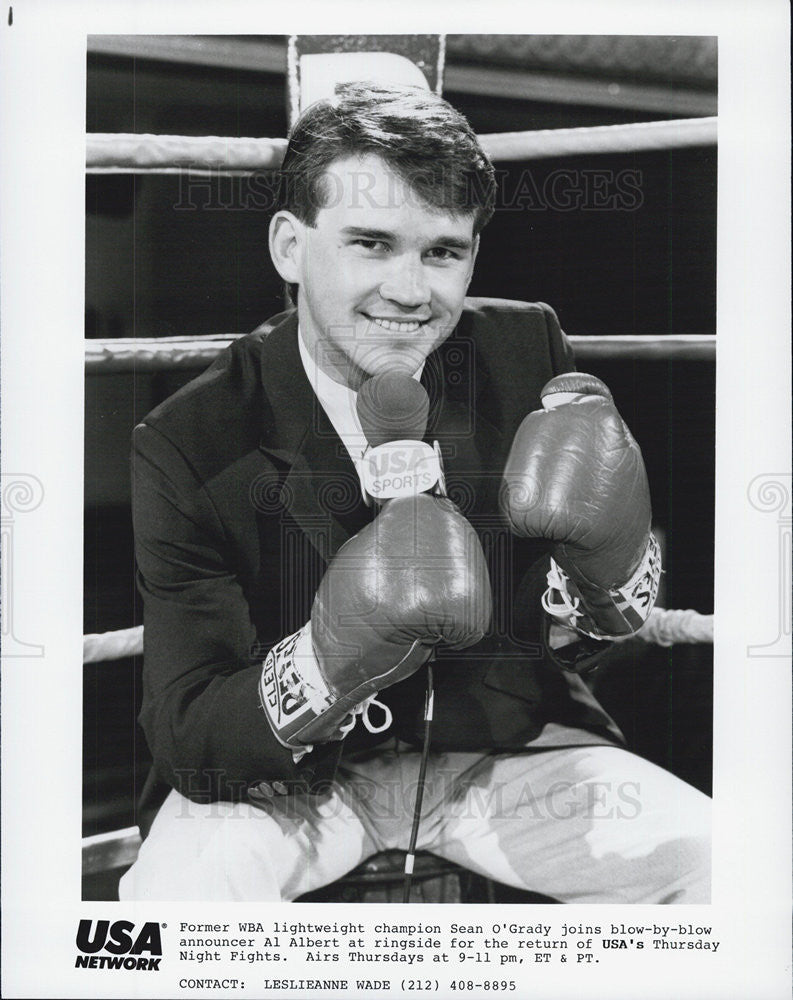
(421, 137)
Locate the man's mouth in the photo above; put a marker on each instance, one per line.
(397, 325)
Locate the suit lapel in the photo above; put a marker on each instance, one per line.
(320, 490)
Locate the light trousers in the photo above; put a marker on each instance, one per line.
(591, 824)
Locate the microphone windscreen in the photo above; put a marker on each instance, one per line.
(393, 407)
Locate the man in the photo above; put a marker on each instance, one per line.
(283, 603)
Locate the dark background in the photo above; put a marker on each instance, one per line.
(156, 268)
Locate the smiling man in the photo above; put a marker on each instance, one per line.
(380, 232)
(289, 618)
(383, 279)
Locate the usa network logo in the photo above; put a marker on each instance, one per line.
(117, 945)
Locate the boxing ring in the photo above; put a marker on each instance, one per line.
(108, 153)
(218, 156)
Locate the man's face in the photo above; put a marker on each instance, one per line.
(382, 275)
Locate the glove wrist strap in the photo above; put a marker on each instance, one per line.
(294, 694)
(291, 687)
(628, 605)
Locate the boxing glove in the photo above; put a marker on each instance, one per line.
(575, 476)
(415, 577)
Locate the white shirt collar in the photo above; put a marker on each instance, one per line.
(338, 402)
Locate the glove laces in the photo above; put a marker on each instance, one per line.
(362, 712)
(557, 600)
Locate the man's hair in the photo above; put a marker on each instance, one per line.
(421, 137)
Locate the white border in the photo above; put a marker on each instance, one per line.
(42, 69)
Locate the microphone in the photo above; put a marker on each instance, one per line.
(393, 409)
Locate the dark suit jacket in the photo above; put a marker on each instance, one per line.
(242, 493)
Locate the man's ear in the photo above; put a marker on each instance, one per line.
(286, 233)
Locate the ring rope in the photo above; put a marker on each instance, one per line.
(670, 626)
(664, 627)
(130, 354)
(118, 152)
(637, 137)
(113, 645)
(156, 153)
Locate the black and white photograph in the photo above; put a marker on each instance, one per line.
(419, 480)
(276, 555)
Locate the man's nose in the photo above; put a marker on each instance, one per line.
(406, 283)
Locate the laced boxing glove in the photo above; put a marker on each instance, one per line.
(575, 476)
(416, 576)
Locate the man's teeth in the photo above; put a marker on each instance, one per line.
(399, 326)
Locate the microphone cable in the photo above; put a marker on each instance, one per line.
(410, 857)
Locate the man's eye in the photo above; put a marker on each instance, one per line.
(376, 245)
(443, 253)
